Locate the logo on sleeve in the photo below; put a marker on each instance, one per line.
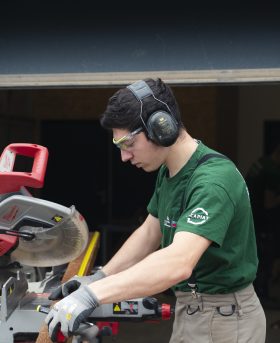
(198, 216)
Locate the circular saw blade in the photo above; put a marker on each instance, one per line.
(54, 246)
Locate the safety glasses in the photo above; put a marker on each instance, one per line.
(126, 141)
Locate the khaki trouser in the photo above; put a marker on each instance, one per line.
(220, 318)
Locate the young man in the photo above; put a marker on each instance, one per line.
(199, 214)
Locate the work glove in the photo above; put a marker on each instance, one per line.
(74, 283)
(67, 314)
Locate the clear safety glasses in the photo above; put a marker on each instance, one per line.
(126, 141)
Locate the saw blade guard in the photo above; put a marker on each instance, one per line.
(53, 245)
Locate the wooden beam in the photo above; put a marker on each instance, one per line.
(186, 77)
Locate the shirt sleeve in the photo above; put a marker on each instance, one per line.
(208, 212)
(152, 206)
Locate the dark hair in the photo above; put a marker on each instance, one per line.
(123, 108)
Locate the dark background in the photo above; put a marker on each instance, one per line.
(90, 36)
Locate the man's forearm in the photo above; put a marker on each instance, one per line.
(155, 273)
(152, 275)
(140, 244)
(132, 251)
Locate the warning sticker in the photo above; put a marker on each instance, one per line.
(57, 218)
(125, 307)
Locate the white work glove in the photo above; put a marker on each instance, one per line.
(74, 283)
(67, 314)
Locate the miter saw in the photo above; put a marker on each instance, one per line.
(37, 237)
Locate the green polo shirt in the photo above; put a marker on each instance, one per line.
(210, 200)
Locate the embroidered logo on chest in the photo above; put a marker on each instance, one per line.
(170, 223)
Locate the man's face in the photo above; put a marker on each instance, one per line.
(137, 149)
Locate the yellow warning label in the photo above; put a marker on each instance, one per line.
(57, 218)
(117, 308)
(125, 307)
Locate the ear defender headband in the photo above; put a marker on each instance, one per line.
(161, 126)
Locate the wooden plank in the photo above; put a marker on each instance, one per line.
(72, 270)
(177, 77)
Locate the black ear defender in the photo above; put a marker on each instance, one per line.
(161, 126)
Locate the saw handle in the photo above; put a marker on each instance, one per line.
(12, 181)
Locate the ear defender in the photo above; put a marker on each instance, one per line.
(161, 126)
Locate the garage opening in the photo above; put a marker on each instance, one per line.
(85, 170)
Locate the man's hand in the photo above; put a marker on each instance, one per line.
(70, 312)
(74, 283)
